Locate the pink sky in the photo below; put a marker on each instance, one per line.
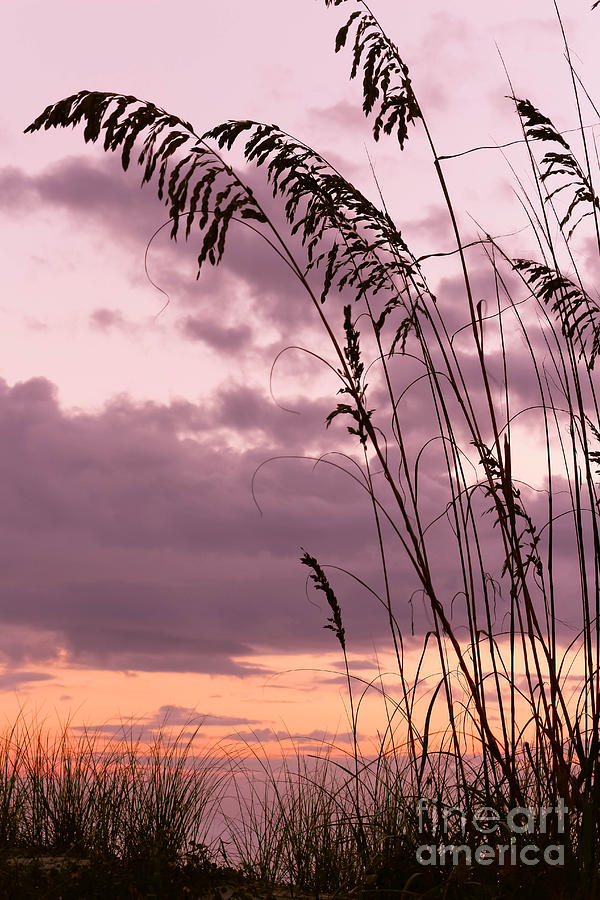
(138, 573)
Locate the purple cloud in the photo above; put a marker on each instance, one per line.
(93, 191)
(321, 739)
(16, 680)
(142, 550)
(106, 320)
(132, 535)
(229, 338)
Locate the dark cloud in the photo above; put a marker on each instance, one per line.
(134, 548)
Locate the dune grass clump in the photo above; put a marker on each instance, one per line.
(88, 795)
(479, 549)
(293, 822)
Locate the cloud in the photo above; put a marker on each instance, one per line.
(343, 114)
(202, 328)
(163, 721)
(106, 320)
(15, 681)
(92, 191)
(131, 539)
(319, 737)
(171, 714)
(252, 292)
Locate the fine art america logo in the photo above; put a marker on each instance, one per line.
(487, 821)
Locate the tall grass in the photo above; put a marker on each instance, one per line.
(104, 797)
(504, 673)
(293, 821)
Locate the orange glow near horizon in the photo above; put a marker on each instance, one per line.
(303, 706)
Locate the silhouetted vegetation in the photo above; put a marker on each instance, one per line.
(503, 674)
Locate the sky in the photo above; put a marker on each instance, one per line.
(142, 578)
